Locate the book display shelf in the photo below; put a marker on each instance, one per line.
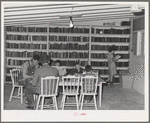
(89, 44)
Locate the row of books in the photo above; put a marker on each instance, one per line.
(23, 54)
(69, 38)
(104, 55)
(26, 37)
(65, 38)
(109, 39)
(106, 47)
(44, 29)
(68, 30)
(125, 23)
(105, 64)
(112, 31)
(25, 29)
(15, 62)
(26, 46)
(68, 55)
(69, 46)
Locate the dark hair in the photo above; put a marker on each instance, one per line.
(77, 62)
(88, 68)
(58, 61)
(111, 48)
(51, 62)
(36, 57)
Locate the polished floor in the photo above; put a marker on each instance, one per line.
(114, 98)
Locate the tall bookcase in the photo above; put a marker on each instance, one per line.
(89, 44)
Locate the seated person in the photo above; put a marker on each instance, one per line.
(27, 71)
(51, 62)
(35, 86)
(28, 68)
(88, 72)
(77, 70)
(61, 69)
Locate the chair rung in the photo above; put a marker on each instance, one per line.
(16, 97)
(71, 103)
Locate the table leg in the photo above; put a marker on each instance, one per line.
(100, 94)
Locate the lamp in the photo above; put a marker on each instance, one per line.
(135, 8)
(71, 23)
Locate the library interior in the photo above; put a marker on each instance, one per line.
(84, 56)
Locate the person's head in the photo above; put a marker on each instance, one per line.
(111, 48)
(57, 63)
(88, 68)
(35, 59)
(77, 65)
(44, 58)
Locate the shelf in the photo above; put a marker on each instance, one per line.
(17, 66)
(118, 68)
(108, 27)
(31, 50)
(105, 51)
(20, 41)
(81, 59)
(110, 43)
(19, 58)
(68, 34)
(66, 50)
(65, 42)
(99, 59)
(111, 35)
(28, 33)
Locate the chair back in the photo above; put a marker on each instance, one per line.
(89, 84)
(71, 84)
(14, 73)
(49, 85)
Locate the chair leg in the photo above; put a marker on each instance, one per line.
(82, 101)
(21, 89)
(55, 103)
(19, 93)
(42, 103)
(12, 91)
(95, 102)
(77, 102)
(63, 102)
(37, 105)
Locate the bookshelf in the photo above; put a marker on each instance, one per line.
(89, 44)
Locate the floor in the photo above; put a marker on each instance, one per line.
(114, 98)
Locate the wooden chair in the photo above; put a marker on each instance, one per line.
(88, 87)
(70, 88)
(14, 75)
(49, 88)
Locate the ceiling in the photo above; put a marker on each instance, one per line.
(37, 13)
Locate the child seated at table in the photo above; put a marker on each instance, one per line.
(77, 70)
(89, 72)
(61, 69)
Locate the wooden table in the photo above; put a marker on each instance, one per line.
(100, 90)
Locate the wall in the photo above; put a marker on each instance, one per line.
(137, 62)
(137, 73)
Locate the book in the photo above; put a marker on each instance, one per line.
(117, 57)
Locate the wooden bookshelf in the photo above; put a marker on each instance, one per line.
(88, 44)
